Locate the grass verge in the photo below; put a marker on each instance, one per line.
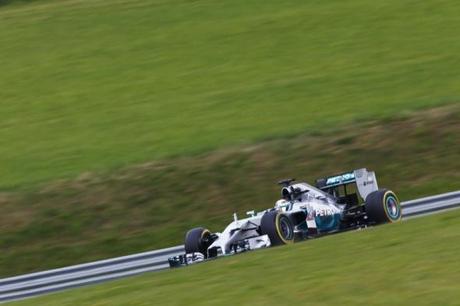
(410, 263)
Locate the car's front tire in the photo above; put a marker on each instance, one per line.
(278, 227)
(197, 241)
(383, 206)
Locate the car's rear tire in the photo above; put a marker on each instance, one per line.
(278, 227)
(383, 206)
(197, 241)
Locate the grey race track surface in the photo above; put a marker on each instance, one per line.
(34, 284)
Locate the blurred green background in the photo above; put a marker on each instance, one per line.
(97, 85)
(124, 123)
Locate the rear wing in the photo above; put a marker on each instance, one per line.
(366, 182)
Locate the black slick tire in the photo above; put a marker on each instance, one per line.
(383, 206)
(278, 227)
(196, 241)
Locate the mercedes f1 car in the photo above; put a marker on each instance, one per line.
(337, 203)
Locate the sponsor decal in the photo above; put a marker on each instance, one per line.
(311, 223)
(324, 212)
(340, 179)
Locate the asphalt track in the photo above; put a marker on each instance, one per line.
(34, 284)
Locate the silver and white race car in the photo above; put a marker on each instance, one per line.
(341, 202)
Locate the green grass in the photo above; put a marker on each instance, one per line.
(97, 85)
(221, 98)
(152, 205)
(410, 263)
(6, 2)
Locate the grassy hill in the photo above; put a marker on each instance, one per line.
(411, 263)
(97, 85)
(151, 205)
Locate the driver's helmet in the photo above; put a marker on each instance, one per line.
(281, 204)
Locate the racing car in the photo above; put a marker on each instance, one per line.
(347, 201)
